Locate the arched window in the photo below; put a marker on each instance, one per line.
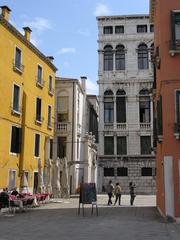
(120, 106)
(144, 106)
(108, 58)
(108, 107)
(120, 57)
(142, 56)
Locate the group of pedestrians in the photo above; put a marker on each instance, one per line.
(117, 191)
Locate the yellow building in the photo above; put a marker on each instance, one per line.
(27, 82)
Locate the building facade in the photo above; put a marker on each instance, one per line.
(27, 107)
(166, 17)
(73, 136)
(125, 102)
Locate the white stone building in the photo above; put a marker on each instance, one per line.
(73, 141)
(126, 110)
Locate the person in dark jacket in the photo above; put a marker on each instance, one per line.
(110, 189)
(132, 192)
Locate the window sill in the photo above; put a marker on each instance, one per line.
(49, 127)
(18, 70)
(14, 154)
(177, 136)
(16, 113)
(38, 122)
(51, 93)
(39, 84)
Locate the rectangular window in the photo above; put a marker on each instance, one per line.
(18, 58)
(62, 117)
(25, 178)
(108, 172)
(12, 179)
(146, 171)
(145, 145)
(121, 145)
(141, 28)
(38, 109)
(175, 22)
(108, 145)
(151, 28)
(108, 112)
(50, 84)
(119, 29)
(16, 135)
(51, 149)
(16, 98)
(39, 74)
(144, 109)
(37, 145)
(159, 117)
(49, 116)
(122, 171)
(61, 147)
(108, 30)
(121, 109)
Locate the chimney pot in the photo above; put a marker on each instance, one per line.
(5, 12)
(27, 33)
(83, 82)
(51, 58)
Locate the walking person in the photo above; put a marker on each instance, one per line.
(110, 189)
(117, 194)
(132, 193)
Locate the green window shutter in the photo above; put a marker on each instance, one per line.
(173, 26)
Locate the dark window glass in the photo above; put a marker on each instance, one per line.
(145, 145)
(122, 171)
(120, 106)
(37, 145)
(121, 145)
(120, 57)
(108, 58)
(51, 149)
(178, 106)
(50, 83)
(16, 140)
(61, 147)
(108, 30)
(39, 77)
(146, 171)
(108, 172)
(119, 29)
(142, 57)
(49, 115)
(108, 112)
(141, 28)
(175, 21)
(151, 28)
(144, 109)
(159, 117)
(18, 58)
(38, 109)
(108, 145)
(16, 98)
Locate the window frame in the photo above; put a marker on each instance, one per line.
(142, 26)
(16, 111)
(124, 142)
(120, 58)
(148, 151)
(50, 117)
(41, 82)
(38, 120)
(39, 145)
(120, 27)
(18, 67)
(109, 175)
(105, 145)
(124, 173)
(108, 58)
(143, 57)
(17, 138)
(108, 28)
(149, 173)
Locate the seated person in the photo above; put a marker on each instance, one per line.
(14, 192)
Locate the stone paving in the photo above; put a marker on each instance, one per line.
(59, 220)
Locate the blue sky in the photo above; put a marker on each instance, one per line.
(67, 30)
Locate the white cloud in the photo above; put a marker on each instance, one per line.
(84, 32)
(39, 24)
(102, 10)
(91, 87)
(66, 50)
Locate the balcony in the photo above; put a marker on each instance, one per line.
(18, 67)
(177, 130)
(145, 126)
(121, 126)
(62, 128)
(108, 126)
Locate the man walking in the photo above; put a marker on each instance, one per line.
(110, 189)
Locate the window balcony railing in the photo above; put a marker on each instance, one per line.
(40, 82)
(108, 126)
(174, 47)
(145, 126)
(18, 67)
(121, 126)
(177, 130)
(62, 127)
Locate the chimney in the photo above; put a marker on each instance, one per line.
(83, 82)
(5, 12)
(27, 33)
(51, 58)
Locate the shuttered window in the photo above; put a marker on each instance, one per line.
(108, 145)
(121, 145)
